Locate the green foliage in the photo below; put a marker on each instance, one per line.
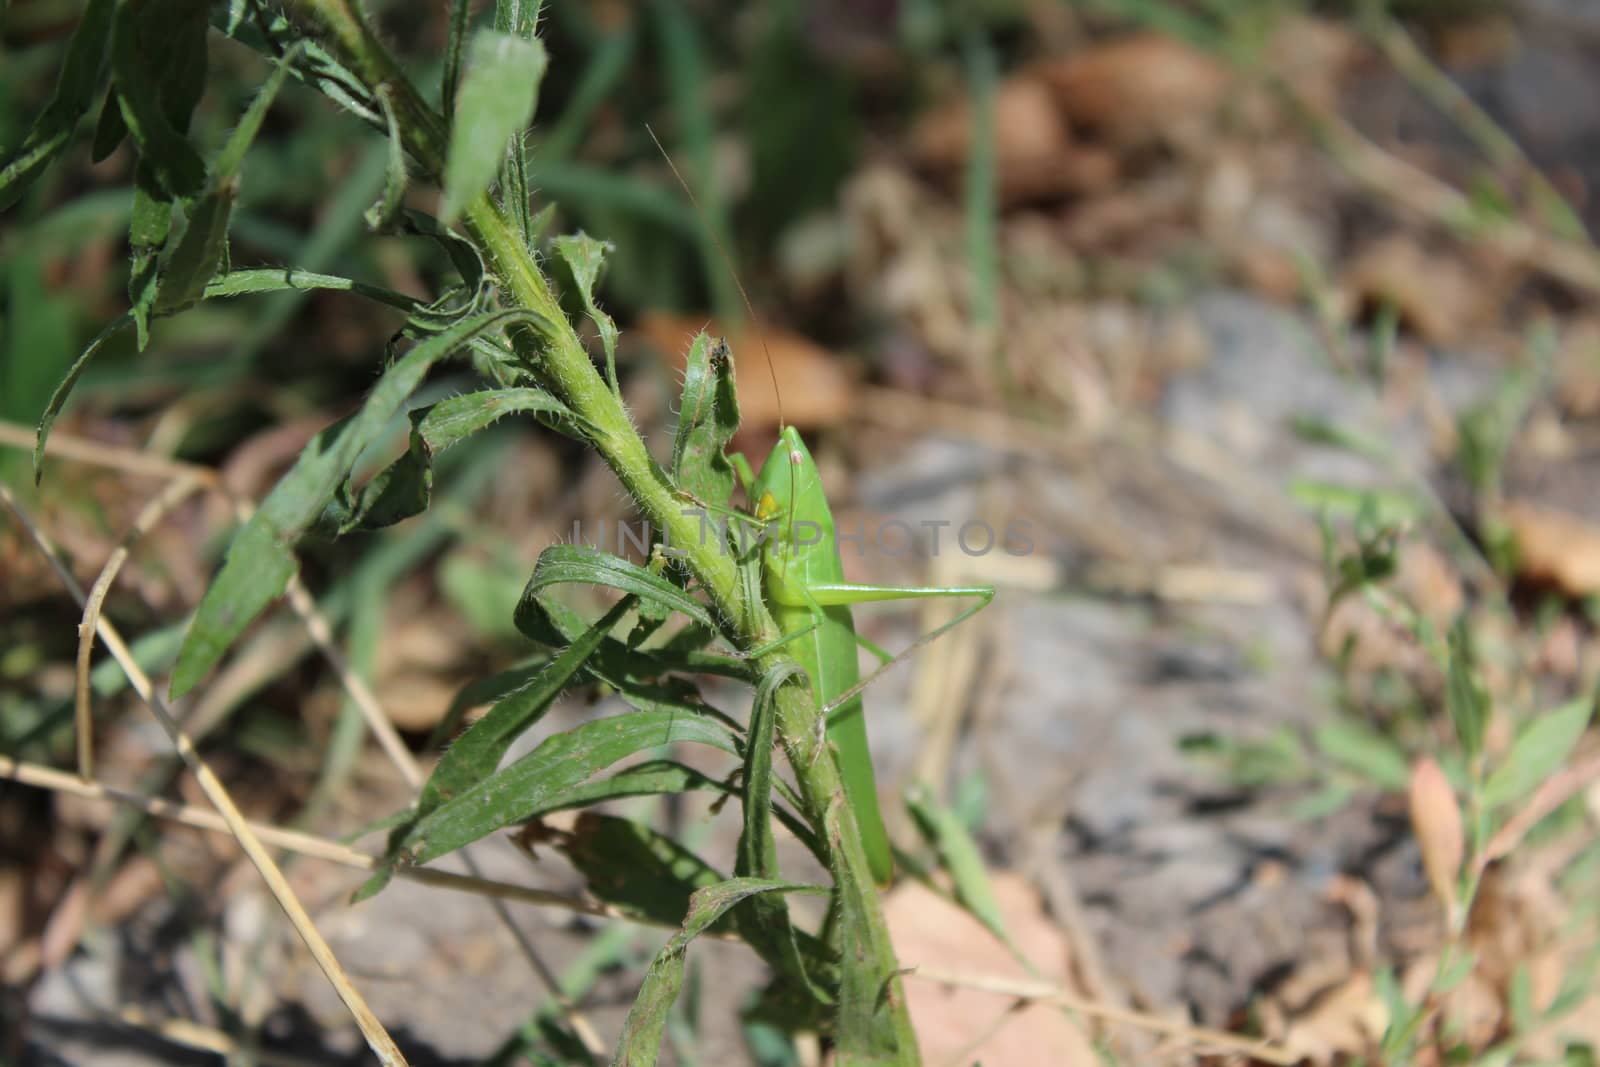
(708, 416)
(499, 93)
(79, 84)
(1539, 750)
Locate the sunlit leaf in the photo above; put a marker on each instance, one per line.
(1539, 751)
(585, 258)
(497, 98)
(1365, 751)
(557, 764)
(477, 753)
(708, 417)
(641, 1031)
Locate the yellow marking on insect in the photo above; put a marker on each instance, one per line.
(767, 507)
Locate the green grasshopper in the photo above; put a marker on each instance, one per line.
(803, 584)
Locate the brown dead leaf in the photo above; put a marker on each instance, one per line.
(815, 388)
(1138, 88)
(1434, 295)
(1342, 1023)
(1555, 547)
(929, 930)
(1034, 154)
(1436, 820)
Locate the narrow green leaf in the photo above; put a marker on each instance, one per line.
(960, 855)
(381, 216)
(1365, 751)
(77, 86)
(560, 762)
(634, 867)
(245, 586)
(575, 564)
(404, 488)
(149, 224)
(231, 157)
(455, 43)
(199, 252)
(765, 922)
(110, 129)
(641, 1032)
(585, 257)
(519, 18)
(496, 101)
(483, 690)
(158, 58)
(280, 279)
(708, 417)
(58, 399)
(477, 753)
(1538, 752)
(1465, 696)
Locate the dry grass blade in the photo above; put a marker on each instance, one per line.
(377, 1037)
(1053, 994)
(294, 841)
(174, 493)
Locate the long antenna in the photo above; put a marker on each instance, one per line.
(727, 263)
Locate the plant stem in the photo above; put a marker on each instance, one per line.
(564, 366)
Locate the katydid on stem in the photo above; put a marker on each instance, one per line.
(803, 584)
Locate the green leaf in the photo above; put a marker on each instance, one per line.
(708, 417)
(557, 764)
(1365, 751)
(455, 42)
(381, 216)
(77, 86)
(158, 59)
(58, 399)
(477, 753)
(641, 1032)
(765, 923)
(585, 257)
(1465, 696)
(1385, 506)
(496, 101)
(199, 253)
(1539, 750)
(960, 855)
(635, 868)
(254, 574)
(405, 487)
(149, 224)
(520, 18)
(483, 690)
(110, 130)
(575, 564)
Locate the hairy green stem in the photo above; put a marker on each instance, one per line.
(563, 364)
